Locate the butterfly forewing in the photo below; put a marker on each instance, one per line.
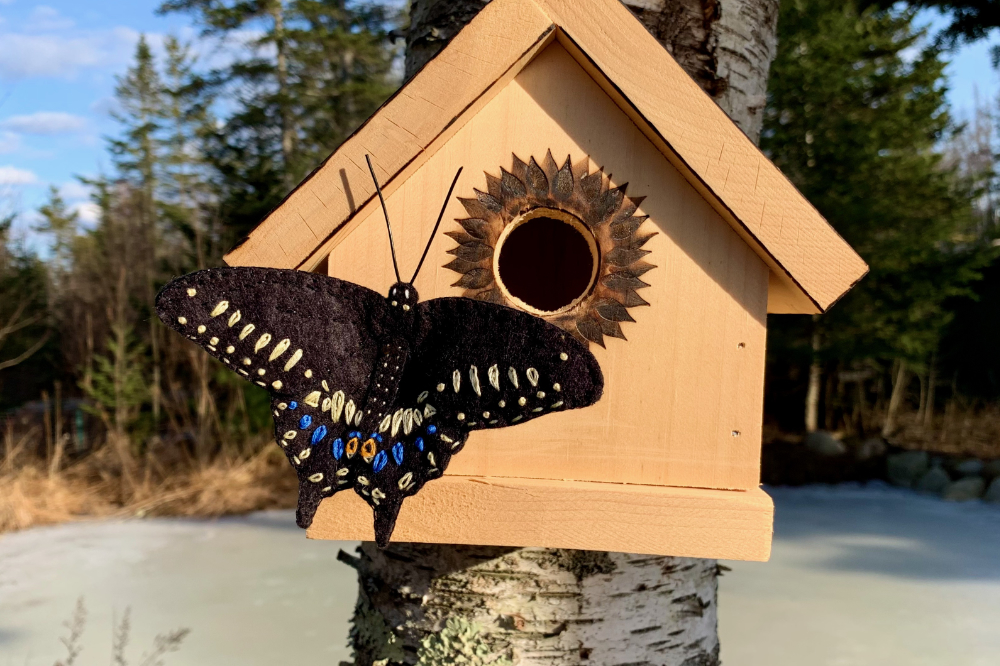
(287, 331)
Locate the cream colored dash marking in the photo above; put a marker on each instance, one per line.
(279, 349)
(262, 342)
(293, 360)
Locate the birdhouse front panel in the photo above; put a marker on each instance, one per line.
(669, 298)
(638, 240)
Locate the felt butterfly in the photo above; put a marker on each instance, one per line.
(375, 393)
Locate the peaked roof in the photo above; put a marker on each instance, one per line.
(813, 265)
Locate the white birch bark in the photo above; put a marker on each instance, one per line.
(725, 45)
(435, 605)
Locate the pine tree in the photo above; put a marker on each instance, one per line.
(313, 73)
(140, 104)
(855, 115)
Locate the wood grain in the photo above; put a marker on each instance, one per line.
(479, 56)
(684, 395)
(689, 522)
(732, 171)
(812, 265)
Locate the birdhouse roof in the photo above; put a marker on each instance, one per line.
(811, 265)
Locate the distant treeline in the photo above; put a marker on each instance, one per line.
(856, 117)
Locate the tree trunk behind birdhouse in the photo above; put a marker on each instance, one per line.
(435, 605)
(725, 45)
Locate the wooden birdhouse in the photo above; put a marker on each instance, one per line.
(552, 107)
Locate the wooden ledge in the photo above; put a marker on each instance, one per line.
(494, 511)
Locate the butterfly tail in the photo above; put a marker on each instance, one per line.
(309, 501)
(385, 523)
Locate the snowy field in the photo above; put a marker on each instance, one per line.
(859, 577)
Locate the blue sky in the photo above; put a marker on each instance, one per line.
(58, 62)
(57, 66)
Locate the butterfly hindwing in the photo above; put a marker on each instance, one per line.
(473, 365)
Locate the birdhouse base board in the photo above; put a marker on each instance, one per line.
(495, 511)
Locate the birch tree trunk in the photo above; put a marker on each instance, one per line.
(434, 605)
(725, 45)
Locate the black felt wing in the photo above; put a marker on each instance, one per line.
(489, 366)
(310, 340)
(473, 365)
(285, 330)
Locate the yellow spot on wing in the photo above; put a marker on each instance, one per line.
(293, 360)
(279, 349)
(220, 308)
(262, 342)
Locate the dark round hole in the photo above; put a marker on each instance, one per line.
(546, 263)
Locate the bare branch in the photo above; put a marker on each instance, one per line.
(27, 354)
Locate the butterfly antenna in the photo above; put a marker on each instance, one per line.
(385, 211)
(436, 225)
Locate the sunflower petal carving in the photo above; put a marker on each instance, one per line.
(587, 196)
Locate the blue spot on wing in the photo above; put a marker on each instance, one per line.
(293, 405)
(397, 453)
(380, 460)
(305, 422)
(318, 435)
(431, 429)
(420, 443)
(338, 448)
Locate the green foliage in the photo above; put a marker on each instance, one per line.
(458, 643)
(118, 383)
(971, 20)
(313, 72)
(855, 116)
(139, 94)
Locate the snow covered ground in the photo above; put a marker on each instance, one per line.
(859, 577)
(865, 577)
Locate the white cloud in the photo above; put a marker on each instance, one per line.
(10, 175)
(89, 212)
(24, 55)
(74, 190)
(9, 142)
(45, 18)
(46, 123)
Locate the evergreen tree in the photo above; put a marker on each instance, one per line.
(140, 107)
(856, 113)
(313, 73)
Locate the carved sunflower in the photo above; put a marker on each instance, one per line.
(559, 242)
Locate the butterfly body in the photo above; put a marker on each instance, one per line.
(377, 393)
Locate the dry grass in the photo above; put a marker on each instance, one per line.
(964, 429)
(105, 483)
